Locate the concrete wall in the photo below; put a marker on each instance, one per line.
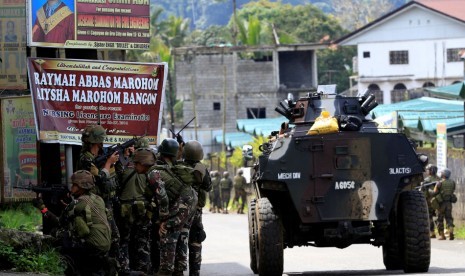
(244, 83)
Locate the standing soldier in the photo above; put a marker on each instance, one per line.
(216, 190)
(192, 155)
(105, 177)
(83, 228)
(431, 172)
(239, 191)
(444, 195)
(182, 205)
(134, 221)
(226, 186)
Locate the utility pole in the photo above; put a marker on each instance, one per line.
(234, 34)
(223, 144)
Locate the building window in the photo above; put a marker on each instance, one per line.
(453, 55)
(216, 106)
(256, 113)
(366, 54)
(398, 57)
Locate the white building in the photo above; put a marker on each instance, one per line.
(418, 45)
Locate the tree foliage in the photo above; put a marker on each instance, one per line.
(355, 14)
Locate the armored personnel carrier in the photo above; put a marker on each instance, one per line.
(353, 186)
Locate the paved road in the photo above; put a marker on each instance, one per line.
(226, 252)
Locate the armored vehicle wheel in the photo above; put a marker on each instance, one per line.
(270, 239)
(252, 236)
(391, 253)
(414, 241)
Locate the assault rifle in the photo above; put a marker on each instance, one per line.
(178, 135)
(424, 185)
(101, 159)
(56, 194)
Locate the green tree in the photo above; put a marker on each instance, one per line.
(356, 14)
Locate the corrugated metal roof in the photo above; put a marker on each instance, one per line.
(234, 139)
(454, 8)
(424, 113)
(456, 91)
(260, 127)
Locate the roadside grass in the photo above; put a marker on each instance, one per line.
(24, 217)
(460, 231)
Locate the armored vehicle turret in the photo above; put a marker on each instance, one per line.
(354, 185)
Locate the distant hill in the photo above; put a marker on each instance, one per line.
(209, 12)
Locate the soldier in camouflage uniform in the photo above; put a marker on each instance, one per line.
(216, 190)
(134, 220)
(443, 194)
(192, 155)
(431, 176)
(239, 191)
(82, 228)
(182, 205)
(226, 186)
(105, 177)
(144, 161)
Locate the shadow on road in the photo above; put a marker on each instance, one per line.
(432, 271)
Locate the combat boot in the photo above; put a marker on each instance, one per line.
(178, 273)
(451, 233)
(441, 235)
(432, 235)
(194, 273)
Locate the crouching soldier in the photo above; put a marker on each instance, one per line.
(82, 229)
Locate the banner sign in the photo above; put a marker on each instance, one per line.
(19, 148)
(13, 44)
(68, 95)
(441, 146)
(115, 24)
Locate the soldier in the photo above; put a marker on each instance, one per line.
(239, 191)
(431, 177)
(182, 204)
(216, 190)
(134, 220)
(144, 161)
(444, 195)
(105, 177)
(192, 155)
(82, 228)
(226, 186)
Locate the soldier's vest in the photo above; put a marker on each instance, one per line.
(224, 183)
(174, 185)
(447, 189)
(238, 184)
(88, 222)
(215, 183)
(106, 190)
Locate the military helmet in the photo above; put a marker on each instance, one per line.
(142, 143)
(144, 156)
(94, 134)
(240, 172)
(433, 170)
(193, 151)
(445, 173)
(226, 174)
(169, 147)
(83, 179)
